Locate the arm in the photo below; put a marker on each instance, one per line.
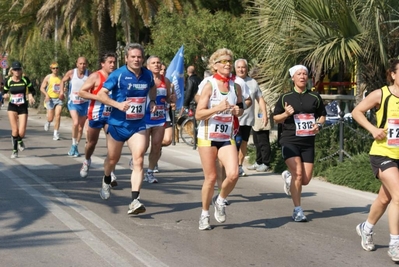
(188, 94)
(262, 106)
(371, 101)
(88, 86)
(288, 111)
(238, 111)
(43, 88)
(67, 77)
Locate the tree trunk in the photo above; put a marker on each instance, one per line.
(106, 35)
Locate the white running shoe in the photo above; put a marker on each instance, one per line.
(150, 178)
(56, 137)
(47, 126)
(393, 252)
(220, 210)
(135, 207)
(241, 172)
(204, 223)
(21, 146)
(156, 170)
(113, 180)
(298, 216)
(14, 154)
(84, 171)
(105, 191)
(286, 175)
(366, 239)
(253, 167)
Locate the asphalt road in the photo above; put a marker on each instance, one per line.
(49, 216)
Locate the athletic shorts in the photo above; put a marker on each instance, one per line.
(148, 126)
(53, 102)
(218, 145)
(122, 133)
(382, 163)
(80, 108)
(306, 153)
(20, 109)
(98, 124)
(245, 131)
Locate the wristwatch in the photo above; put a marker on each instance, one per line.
(319, 125)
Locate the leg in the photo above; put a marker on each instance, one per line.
(58, 110)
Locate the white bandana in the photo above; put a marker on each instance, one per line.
(296, 68)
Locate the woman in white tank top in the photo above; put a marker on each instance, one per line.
(220, 100)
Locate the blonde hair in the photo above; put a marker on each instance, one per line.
(53, 64)
(216, 56)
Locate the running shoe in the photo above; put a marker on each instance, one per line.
(71, 150)
(286, 175)
(226, 202)
(105, 191)
(204, 223)
(113, 180)
(76, 152)
(84, 171)
(220, 212)
(14, 154)
(262, 168)
(241, 172)
(150, 178)
(156, 170)
(393, 252)
(298, 216)
(56, 137)
(366, 239)
(131, 164)
(253, 167)
(136, 207)
(47, 126)
(21, 146)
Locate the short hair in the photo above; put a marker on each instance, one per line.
(151, 57)
(216, 55)
(393, 67)
(106, 55)
(132, 46)
(240, 59)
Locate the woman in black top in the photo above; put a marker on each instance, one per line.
(302, 114)
(19, 91)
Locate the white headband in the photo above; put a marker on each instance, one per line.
(296, 68)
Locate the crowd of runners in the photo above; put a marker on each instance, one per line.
(132, 105)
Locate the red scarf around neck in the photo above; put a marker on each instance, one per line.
(225, 80)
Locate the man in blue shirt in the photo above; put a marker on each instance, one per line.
(130, 86)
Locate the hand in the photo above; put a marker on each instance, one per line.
(379, 134)
(46, 99)
(62, 96)
(223, 105)
(124, 106)
(235, 110)
(173, 106)
(31, 100)
(289, 110)
(264, 120)
(172, 98)
(153, 107)
(6, 96)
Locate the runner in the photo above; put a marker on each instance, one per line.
(130, 86)
(50, 88)
(77, 106)
(155, 122)
(98, 113)
(20, 92)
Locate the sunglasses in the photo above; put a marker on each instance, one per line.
(56, 68)
(225, 61)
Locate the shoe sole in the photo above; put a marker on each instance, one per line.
(206, 228)
(358, 231)
(139, 210)
(104, 198)
(303, 220)
(393, 257)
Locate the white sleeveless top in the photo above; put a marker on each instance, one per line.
(74, 86)
(219, 127)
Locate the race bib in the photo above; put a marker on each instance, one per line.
(220, 127)
(76, 99)
(137, 108)
(159, 114)
(393, 132)
(304, 124)
(56, 88)
(107, 111)
(17, 99)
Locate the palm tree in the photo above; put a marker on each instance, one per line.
(323, 34)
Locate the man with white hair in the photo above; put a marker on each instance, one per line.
(301, 113)
(247, 120)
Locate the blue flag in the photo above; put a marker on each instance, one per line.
(175, 74)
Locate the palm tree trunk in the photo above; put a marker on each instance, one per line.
(106, 35)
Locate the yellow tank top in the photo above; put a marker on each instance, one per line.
(53, 87)
(389, 147)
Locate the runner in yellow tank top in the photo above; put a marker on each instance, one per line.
(51, 89)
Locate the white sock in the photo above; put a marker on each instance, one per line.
(394, 240)
(88, 161)
(205, 213)
(220, 200)
(149, 170)
(367, 227)
(74, 141)
(55, 132)
(298, 208)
